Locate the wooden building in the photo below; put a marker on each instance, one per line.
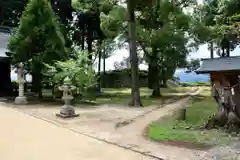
(224, 69)
(5, 65)
(225, 79)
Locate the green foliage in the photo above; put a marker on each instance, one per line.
(11, 11)
(198, 113)
(163, 34)
(126, 63)
(89, 5)
(80, 73)
(108, 47)
(113, 22)
(38, 35)
(126, 71)
(217, 21)
(192, 65)
(112, 15)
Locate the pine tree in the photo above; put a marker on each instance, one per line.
(38, 34)
(37, 40)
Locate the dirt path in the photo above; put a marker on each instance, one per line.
(27, 138)
(131, 136)
(100, 123)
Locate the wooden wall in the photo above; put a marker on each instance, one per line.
(225, 78)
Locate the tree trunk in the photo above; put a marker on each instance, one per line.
(153, 80)
(211, 50)
(228, 51)
(104, 72)
(37, 83)
(89, 40)
(164, 79)
(153, 75)
(156, 92)
(99, 68)
(133, 54)
(83, 37)
(164, 83)
(104, 65)
(228, 115)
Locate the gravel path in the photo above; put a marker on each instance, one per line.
(230, 152)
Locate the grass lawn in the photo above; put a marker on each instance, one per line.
(202, 106)
(123, 95)
(198, 83)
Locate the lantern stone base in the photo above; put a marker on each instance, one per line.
(21, 100)
(67, 111)
(66, 116)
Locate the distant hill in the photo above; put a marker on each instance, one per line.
(191, 77)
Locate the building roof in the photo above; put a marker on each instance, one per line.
(5, 33)
(219, 65)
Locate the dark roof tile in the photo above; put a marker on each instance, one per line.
(219, 64)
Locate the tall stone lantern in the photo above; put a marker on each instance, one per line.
(21, 99)
(67, 110)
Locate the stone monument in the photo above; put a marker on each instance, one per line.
(21, 99)
(67, 111)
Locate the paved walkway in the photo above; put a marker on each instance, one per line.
(26, 138)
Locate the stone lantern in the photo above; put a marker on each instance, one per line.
(67, 111)
(21, 99)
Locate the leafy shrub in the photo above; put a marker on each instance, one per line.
(78, 70)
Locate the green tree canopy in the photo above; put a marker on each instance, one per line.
(163, 34)
(217, 21)
(38, 39)
(38, 35)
